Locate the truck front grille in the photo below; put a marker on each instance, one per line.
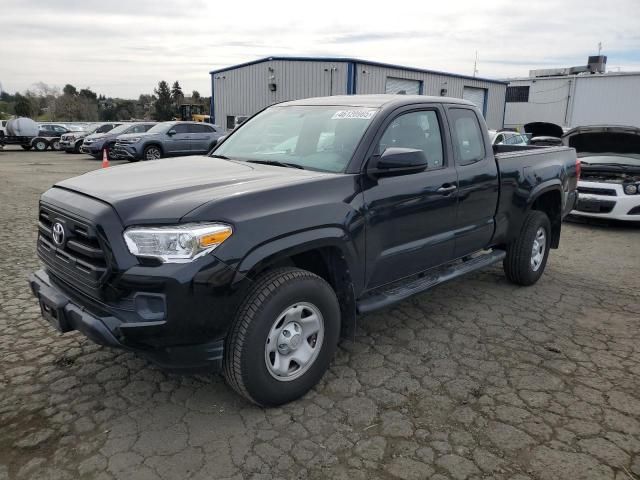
(79, 259)
(609, 192)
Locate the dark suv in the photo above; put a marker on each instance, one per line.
(168, 139)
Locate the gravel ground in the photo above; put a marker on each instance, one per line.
(475, 379)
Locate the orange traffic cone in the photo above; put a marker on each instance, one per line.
(105, 158)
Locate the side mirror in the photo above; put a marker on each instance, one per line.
(398, 161)
(171, 132)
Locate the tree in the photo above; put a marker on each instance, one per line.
(88, 94)
(23, 107)
(176, 93)
(70, 90)
(163, 106)
(195, 95)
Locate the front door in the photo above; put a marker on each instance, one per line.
(180, 141)
(410, 219)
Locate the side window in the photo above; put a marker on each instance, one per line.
(201, 129)
(181, 128)
(467, 136)
(418, 130)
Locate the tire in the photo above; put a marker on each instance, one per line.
(76, 147)
(522, 265)
(40, 144)
(26, 147)
(249, 362)
(55, 144)
(152, 152)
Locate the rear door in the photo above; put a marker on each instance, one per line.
(410, 219)
(180, 141)
(201, 137)
(478, 184)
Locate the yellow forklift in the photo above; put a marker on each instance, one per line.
(193, 113)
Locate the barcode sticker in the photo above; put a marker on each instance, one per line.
(353, 114)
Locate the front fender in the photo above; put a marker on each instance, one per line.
(299, 242)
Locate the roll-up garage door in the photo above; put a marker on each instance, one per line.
(402, 85)
(475, 96)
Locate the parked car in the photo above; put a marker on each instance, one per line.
(168, 139)
(53, 132)
(609, 186)
(72, 142)
(254, 259)
(508, 137)
(96, 143)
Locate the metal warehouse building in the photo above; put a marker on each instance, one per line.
(242, 90)
(587, 97)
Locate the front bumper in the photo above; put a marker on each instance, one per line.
(67, 144)
(92, 149)
(65, 316)
(126, 152)
(606, 201)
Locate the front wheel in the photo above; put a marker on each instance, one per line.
(527, 256)
(283, 337)
(152, 152)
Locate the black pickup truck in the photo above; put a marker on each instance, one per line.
(254, 259)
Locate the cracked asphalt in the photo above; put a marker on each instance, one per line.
(475, 379)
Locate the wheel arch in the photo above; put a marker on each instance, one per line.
(322, 252)
(548, 199)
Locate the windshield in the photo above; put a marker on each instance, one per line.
(313, 137)
(161, 127)
(120, 128)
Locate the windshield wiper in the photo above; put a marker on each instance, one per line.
(277, 163)
(220, 156)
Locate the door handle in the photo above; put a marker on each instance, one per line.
(446, 189)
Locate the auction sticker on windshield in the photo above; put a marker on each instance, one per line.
(353, 114)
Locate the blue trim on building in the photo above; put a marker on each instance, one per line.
(350, 69)
(486, 101)
(212, 103)
(353, 60)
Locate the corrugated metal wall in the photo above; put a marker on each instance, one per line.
(611, 99)
(372, 79)
(548, 99)
(245, 90)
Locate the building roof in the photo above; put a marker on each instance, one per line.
(374, 101)
(353, 60)
(574, 75)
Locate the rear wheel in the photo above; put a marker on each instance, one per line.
(55, 144)
(283, 337)
(527, 256)
(40, 144)
(152, 152)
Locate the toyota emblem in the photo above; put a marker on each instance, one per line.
(58, 233)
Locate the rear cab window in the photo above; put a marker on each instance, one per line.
(468, 141)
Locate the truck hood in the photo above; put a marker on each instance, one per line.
(166, 190)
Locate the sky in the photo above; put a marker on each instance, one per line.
(124, 47)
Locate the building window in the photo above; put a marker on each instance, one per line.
(231, 122)
(517, 94)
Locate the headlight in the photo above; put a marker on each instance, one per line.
(129, 140)
(630, 189)
(176, 244)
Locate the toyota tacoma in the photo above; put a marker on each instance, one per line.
(255, 259)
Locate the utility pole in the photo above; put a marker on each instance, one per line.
(475, 65)
(599, 48)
